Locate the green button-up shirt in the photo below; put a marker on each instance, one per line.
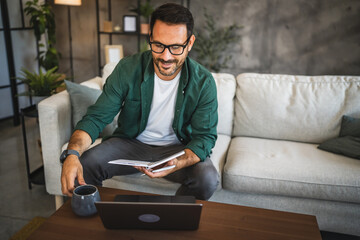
(129, 89)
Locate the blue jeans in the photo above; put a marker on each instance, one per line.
(199, 180)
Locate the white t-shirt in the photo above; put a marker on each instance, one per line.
(159, 129)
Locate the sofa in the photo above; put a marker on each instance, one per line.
(266, 153)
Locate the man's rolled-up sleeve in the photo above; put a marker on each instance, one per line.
(104, 110)
(204, 122)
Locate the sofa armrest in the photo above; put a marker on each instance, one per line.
(55, 123)
(55, 131)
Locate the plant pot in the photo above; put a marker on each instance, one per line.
(144, 28)
(37, 99)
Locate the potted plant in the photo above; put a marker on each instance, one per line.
(144, 10)
(43, 20)
(212, 42)
(144, 46)
(43, 84)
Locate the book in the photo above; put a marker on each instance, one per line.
(148, 165)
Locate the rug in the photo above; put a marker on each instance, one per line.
(28, 229)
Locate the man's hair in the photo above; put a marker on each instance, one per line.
(173, 13)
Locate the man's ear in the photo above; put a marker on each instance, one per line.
(191, 42)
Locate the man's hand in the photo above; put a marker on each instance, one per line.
(186, 160)
(71, 169)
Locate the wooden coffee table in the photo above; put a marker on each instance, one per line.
(218, 221)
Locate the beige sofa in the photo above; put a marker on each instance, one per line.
(266, 152)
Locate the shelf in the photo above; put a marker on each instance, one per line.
(110, 35)
(120, 33)
(124, 33)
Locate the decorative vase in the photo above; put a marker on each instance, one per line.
(117, 28)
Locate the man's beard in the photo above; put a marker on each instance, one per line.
(173, 69)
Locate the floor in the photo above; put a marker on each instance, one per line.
(18, 204)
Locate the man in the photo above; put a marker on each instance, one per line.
(168, 103)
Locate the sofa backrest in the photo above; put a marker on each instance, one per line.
(296, 108)
(225, 85)
(107, 70)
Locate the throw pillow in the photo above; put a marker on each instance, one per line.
(348, 146)
(81, 97)
(350, 127)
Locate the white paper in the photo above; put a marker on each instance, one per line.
(145, 163)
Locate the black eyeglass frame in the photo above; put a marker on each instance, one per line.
(172, 45)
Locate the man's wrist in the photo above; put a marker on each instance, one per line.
(188, 159)
(68, 152)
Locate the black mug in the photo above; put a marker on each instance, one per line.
(83, 200)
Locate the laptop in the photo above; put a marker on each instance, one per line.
(150, 212)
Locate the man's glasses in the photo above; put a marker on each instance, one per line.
(175, 49)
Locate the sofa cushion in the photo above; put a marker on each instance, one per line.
(350, 127)
(226, 86)
(348, 142)
(297, 108)
(347, 146)
(287, 168)
(81, 98)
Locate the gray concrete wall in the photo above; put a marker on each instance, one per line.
(305, 37)
(313, 37)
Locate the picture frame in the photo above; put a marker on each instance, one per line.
(113, 53)
(130, 23)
